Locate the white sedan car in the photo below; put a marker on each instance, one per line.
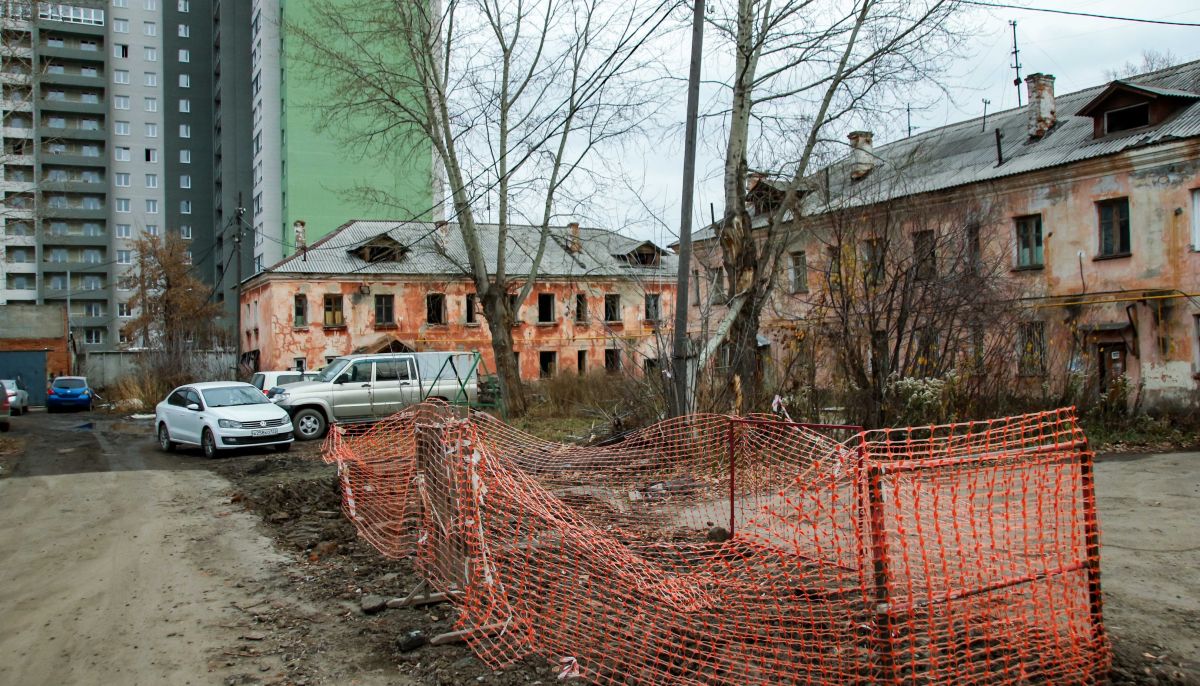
(221, 414)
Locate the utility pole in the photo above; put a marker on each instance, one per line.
(1016, 61)
(237, 246)
(681, 348)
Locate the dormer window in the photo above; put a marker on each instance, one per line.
(1127, 106)
(382, 248)
(645, 255)
(1126, 118)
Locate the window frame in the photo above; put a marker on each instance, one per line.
(1114, 224)
(1031, 361)
(1022, 226)
(385, 310)
(435, 309)
(300, 311)
(333, 310)
(612, 306)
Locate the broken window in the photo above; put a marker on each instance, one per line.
(695, 288)
(472, 306)
(612, 360)
(612, 307)
(1126, 118)
(799, 272)
(581, 360)
(300, 311)
(545, 308)
(581, 308)
(547, 363)
(1031, 352)
(1114, 227)
(333, 310)
(653, 307)
(1029, 241)
(650, 367)
(435, 308)
(924, 255)
(385, 312)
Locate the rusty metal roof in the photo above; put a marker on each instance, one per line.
(965, 153)
(434, 251)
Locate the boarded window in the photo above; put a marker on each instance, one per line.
(924, 255)
(1029, 241)
(1031, 351)
(300, 311)
(653, 307)
(612, 307)
(1114, 227)
(612, 360)
(472, 306)
(385, 312)
(581, 308)
(333, 311)
(545, 308)
(547, 363)
(435, 308)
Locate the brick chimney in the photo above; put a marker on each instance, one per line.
(574, 242)
(300, 235)
(862, 159)
(1042, 114)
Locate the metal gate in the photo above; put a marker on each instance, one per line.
(29, 368)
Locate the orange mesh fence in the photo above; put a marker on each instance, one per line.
(717, 550)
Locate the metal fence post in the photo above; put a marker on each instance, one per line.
(879, 564)
(1091, 528)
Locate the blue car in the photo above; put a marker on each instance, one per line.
(68, 391)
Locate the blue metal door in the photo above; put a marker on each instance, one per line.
(29, 369)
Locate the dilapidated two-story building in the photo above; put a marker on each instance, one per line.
(598, 301)
(1087, 206)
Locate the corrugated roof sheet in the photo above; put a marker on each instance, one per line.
(965, 152)
(441, 252)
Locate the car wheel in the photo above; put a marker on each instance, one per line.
(310, 424)
(164, 439)
(283, 447)
(209, 443)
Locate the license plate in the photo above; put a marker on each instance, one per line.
(262, 432)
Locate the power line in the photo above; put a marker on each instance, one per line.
(1091, 15)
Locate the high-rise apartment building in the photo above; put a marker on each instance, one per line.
(99, 120)
(303, 173)
(127, 118)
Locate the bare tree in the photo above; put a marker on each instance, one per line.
(514, 97)
(908, 288)
(800, 67)
(1152, 60)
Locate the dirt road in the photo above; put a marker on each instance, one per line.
(123, 565)
(1150, 559)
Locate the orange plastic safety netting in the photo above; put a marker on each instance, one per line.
(721, 550)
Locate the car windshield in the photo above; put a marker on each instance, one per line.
(230, 396)
(330, 373)
(69, 383)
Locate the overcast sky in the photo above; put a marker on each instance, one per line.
(1076, 50)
